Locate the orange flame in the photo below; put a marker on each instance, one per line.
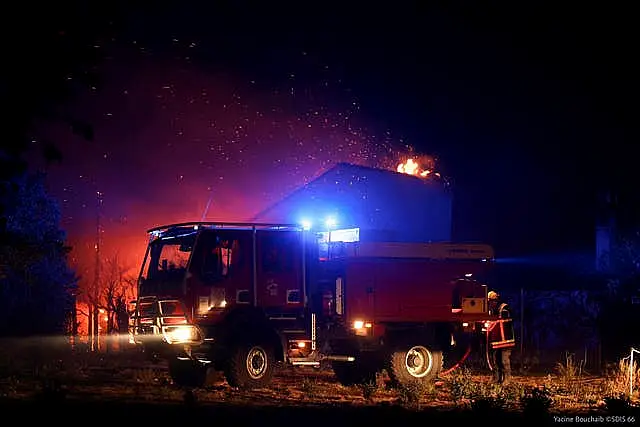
(413, 167)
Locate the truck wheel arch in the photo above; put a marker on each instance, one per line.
(251, 324)
(432, 334)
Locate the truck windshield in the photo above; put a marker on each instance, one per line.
(172, 308)
(148, 309)
(166, 264)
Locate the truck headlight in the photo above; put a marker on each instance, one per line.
(181, 334)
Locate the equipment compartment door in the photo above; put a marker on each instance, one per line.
(279, 265)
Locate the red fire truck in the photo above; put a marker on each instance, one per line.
(242, 298)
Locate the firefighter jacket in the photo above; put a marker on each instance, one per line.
(500, 332)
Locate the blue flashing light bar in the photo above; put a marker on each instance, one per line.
(330, 222)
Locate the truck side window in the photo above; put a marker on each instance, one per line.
(221, 260)
(209, 263)
(276, 254)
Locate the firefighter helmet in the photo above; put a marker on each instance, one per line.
(493, 295)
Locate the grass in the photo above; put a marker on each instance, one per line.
(569, 371)
(618, 377)
(413, 395)
(29, 372)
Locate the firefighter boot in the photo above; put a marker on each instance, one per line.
(497, 367)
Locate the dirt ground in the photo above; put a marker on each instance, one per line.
(312, 396)
(125, 384)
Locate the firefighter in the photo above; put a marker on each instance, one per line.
(501, 338)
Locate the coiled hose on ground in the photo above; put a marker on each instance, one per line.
(466, 354)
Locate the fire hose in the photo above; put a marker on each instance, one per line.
(486, 351)
(466, 354)
(457, 365)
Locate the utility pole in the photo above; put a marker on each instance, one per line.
(94, 315)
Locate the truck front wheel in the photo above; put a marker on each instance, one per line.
(250, 366)
(417, 363)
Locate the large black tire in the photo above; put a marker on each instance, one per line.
(415, 363)
(250, 366)
(353, 373)
(187, 373)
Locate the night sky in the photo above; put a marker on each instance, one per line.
(527, 112)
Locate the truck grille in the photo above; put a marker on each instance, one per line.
(145, 330)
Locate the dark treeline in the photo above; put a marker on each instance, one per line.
(51, 52)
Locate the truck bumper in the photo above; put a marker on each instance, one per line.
(168, 340)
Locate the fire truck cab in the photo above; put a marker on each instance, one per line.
(241, 298)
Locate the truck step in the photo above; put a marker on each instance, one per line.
(305, 363)
(340, 358)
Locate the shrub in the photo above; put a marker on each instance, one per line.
(488, 398)
(461, 385)
(411, 393)
(368, 389)
(570, 370)
(512, 392)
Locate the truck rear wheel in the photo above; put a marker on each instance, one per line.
(417, 363)
(250, 366)
(187, 373)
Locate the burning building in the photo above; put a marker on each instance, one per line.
(406, 205)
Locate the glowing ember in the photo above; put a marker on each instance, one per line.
(413, 167)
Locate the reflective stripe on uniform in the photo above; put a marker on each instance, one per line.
(502, 340)
(494, 323)
(501, 309)
(503, 344)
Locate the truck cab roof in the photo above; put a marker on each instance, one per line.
(185, 228)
